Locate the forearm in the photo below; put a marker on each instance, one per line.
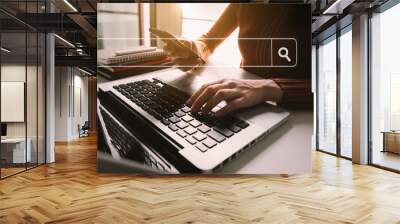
(220, 30)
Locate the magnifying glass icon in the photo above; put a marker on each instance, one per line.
(283, 52)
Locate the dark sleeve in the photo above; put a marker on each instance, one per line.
(221, 29)
(296, 93)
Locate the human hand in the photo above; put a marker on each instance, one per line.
(183, 57)
(238, 93)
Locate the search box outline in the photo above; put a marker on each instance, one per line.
(216, 38)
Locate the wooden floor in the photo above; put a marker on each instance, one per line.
(71, 191)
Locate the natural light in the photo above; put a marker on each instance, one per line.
(197, 19)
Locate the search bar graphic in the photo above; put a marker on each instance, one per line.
(284, 52)
(279, 52)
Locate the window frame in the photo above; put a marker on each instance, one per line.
(334, 37)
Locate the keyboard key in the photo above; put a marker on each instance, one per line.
(186, 109)
(195, 123)
(174, 119)
(199, 136)
(190, 130)
(234, 128)
(182, 124)
(181, 133)
(173, 127)
(187, 118)
(155, 114)
(209, 143)
(165, 121)
(203, 128)
(166, 114)
(242, 124)
(226, 132)
(201, 147)
(216, 136)
(123, 86)
(191, 140)
(180, 113)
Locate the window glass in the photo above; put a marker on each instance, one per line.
(119, 21)
(385, 89)
(346, 94)
(327, 96)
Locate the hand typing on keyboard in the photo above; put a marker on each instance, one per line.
(167, 104)
(237, 93)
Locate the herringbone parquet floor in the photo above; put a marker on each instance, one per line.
(71, 191)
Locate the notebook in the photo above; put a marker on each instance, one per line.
(134, 57)
(121, 68)
(134, 50)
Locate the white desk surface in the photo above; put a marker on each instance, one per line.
(287, 150)
(12, 140)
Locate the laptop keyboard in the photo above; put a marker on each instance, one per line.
(167, 104)
(128, 147)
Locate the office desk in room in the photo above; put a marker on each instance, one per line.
(15, 149)
(391, 141)
(287, 150)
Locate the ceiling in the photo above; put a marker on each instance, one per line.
(72, 20)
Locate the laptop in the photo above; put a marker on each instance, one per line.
(147, 127)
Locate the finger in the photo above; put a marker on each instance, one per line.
(169, 48)
(207, 93)
(186, 61)
(181, 53)
(185, 64)
(221, 95)
(231, 106)
(195, 95)
(175, 49)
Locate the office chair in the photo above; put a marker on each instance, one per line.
(84, 130)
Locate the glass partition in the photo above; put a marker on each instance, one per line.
(22, 90)
(14, 144)
(41, 99)
(31, 98)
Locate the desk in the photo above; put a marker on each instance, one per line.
(391, 141)
(286, 150)
(13, 150)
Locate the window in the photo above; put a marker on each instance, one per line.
(346, 92)
(334, 94)
(119, 21)
(385, 88)
(327, 96)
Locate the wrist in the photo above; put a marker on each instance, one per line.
(272, 91)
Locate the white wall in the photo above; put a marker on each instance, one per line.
(71, 92)
(61, 103)
(33, 126)
(15, 73)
